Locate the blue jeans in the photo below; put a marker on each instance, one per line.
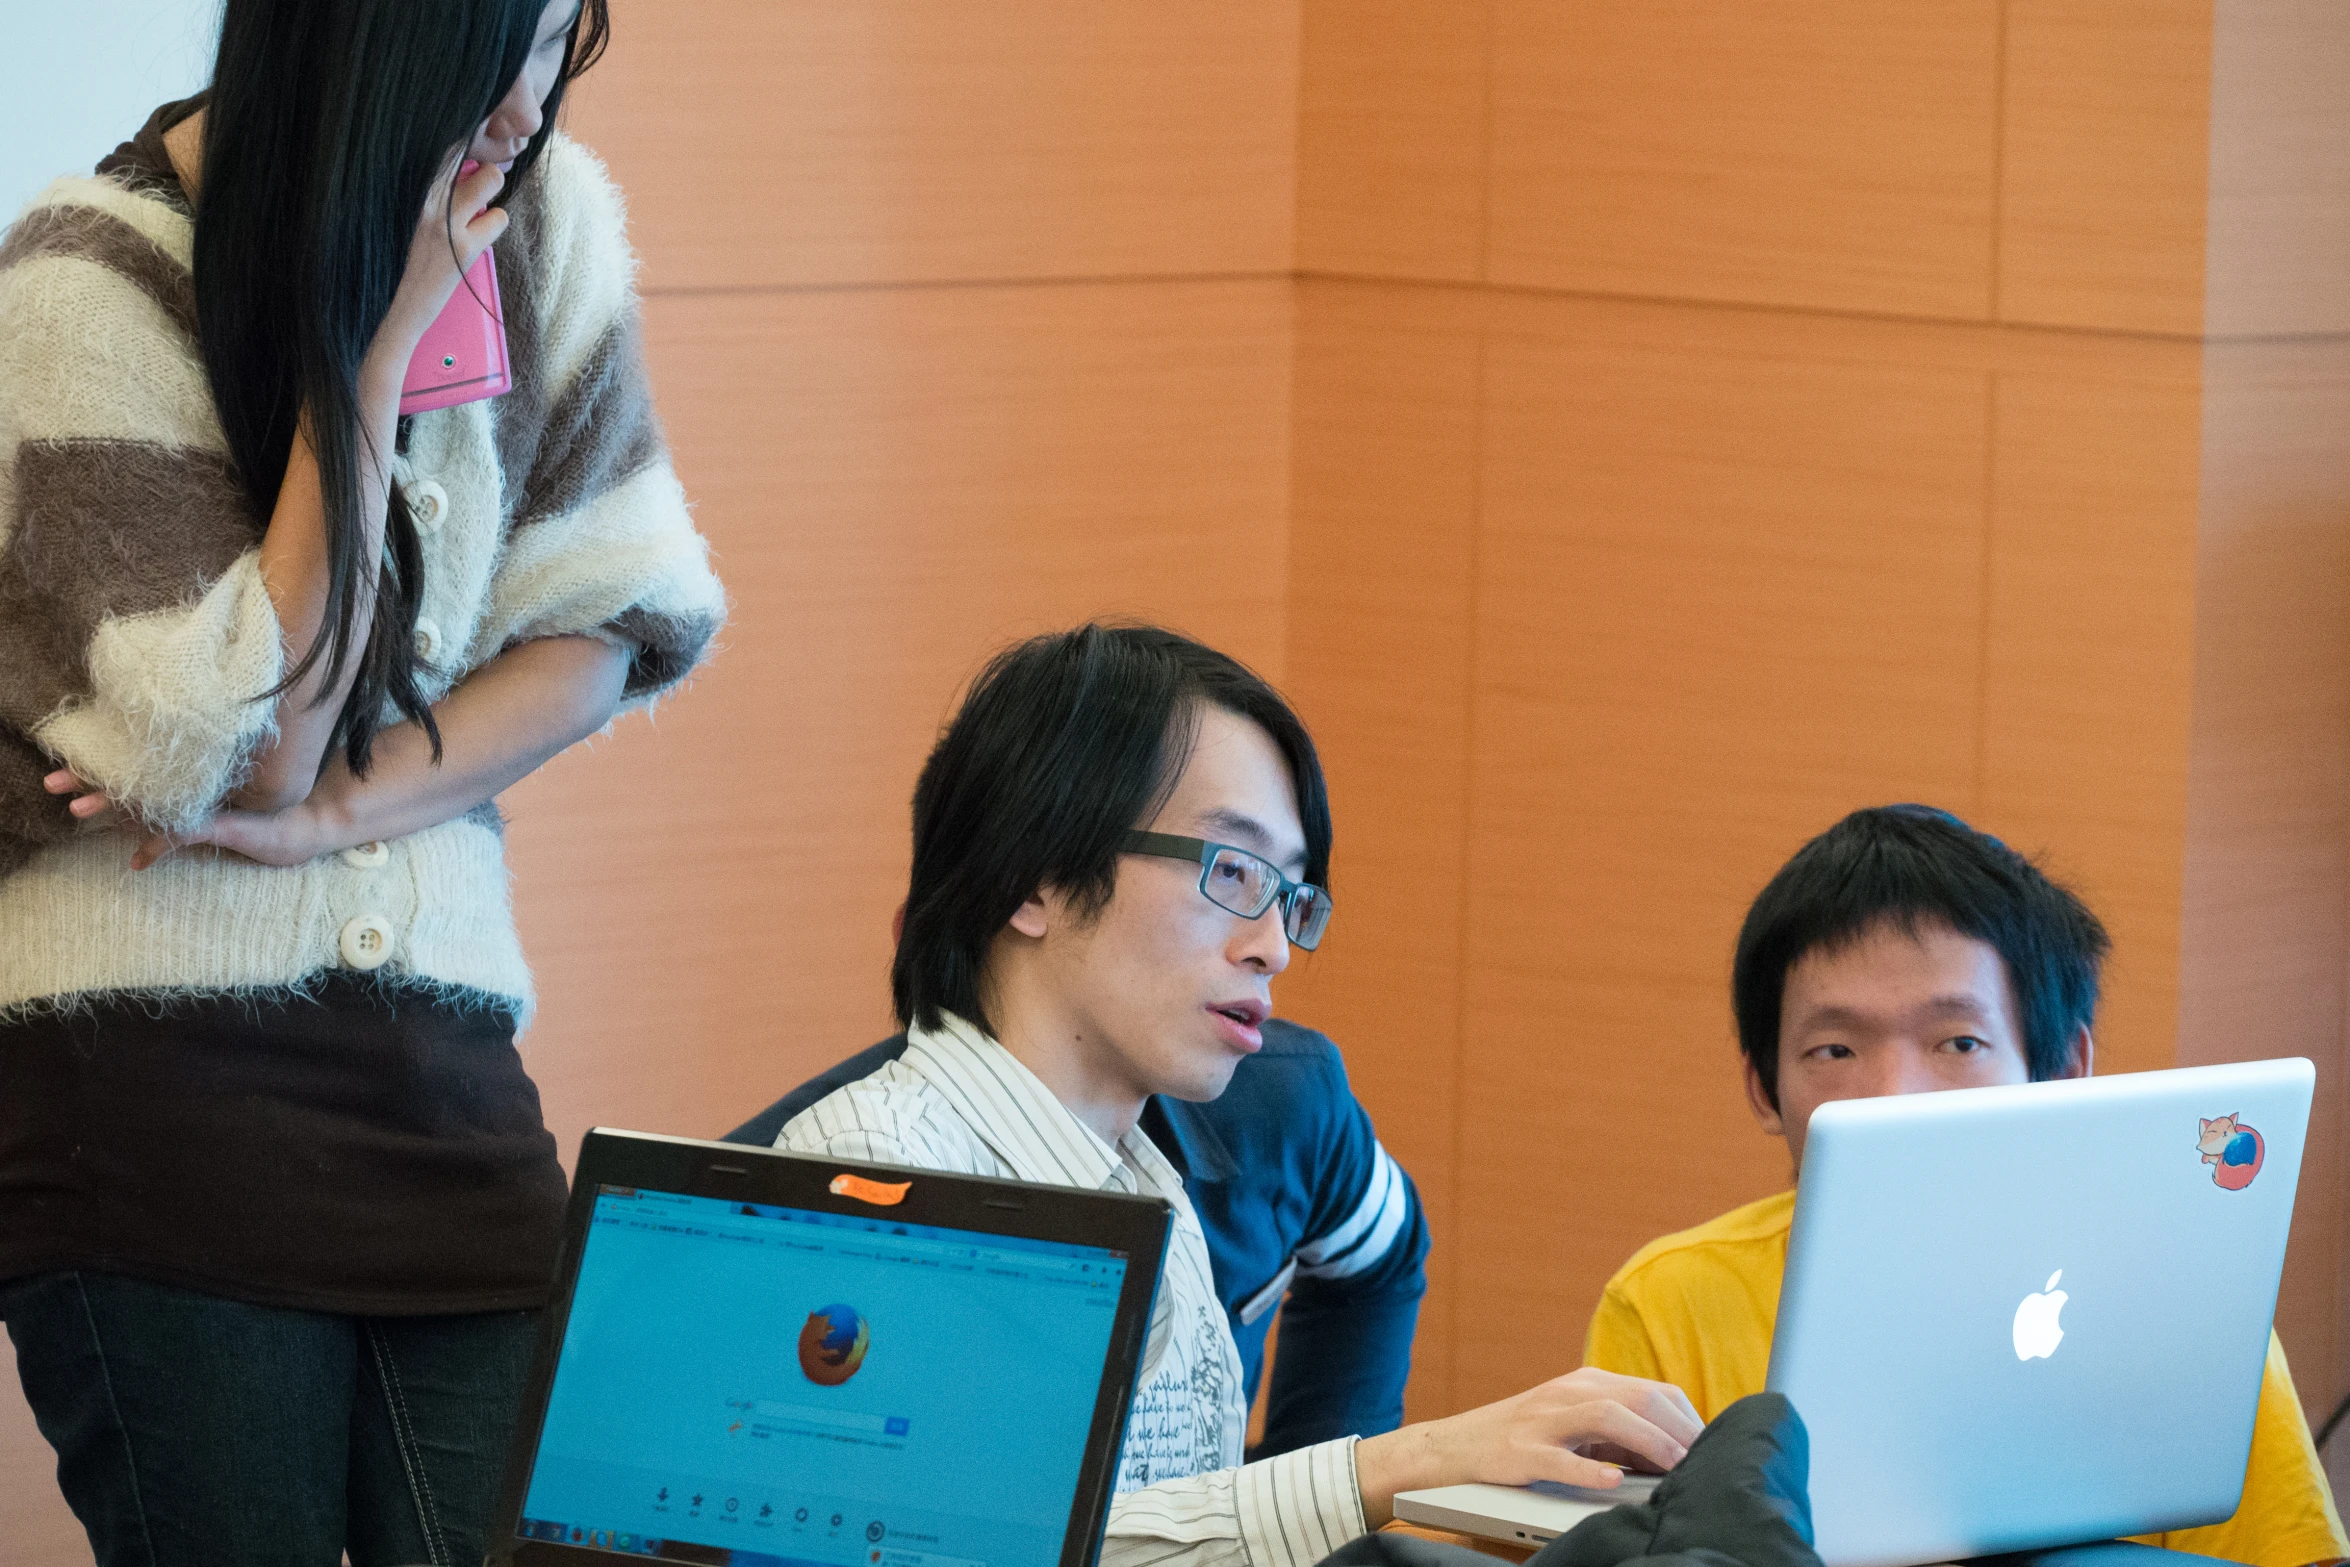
(193, 1431)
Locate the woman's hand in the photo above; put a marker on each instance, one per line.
(327, 819)
(89, 803)
(1533, 1436)
(288, 837)
(498, 726)
(457, 225)
(293, 836)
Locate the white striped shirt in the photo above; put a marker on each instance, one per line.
(959, 1101)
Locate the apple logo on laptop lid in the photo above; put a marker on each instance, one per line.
(2036, 1331)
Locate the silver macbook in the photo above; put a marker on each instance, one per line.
(1520, 1514)
(2016, 1317)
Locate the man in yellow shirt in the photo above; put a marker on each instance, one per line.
(1903, 952)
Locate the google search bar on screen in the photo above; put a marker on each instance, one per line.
(812, 1415)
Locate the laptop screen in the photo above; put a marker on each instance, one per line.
(755, 1386)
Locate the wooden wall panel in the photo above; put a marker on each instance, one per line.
(2267, 843)
(767, 142)
(1724, 597)
(896, 482)
(40, 1529)
(2106, 124)
(1833, 154)
(1381, 621)
(1600, 607)
(2277, 256)
(1392, 138)
(2089, 638)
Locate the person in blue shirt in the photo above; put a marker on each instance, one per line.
(1298, 1200)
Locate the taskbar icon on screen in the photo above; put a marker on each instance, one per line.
(588, 1534)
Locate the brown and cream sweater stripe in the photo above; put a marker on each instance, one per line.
(135, 634)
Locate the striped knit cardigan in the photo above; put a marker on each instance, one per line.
(135, 633)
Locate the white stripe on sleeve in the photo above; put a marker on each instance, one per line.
(1368, 1231)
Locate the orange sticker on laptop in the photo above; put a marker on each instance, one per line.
(2234, 1150)
(882, 1194)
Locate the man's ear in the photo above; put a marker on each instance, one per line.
(1758, 1099)
(2081, 1059)
(1033, 918)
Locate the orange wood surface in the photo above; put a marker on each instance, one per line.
(2089, 635)
(2267, 861)
(896, 482)
(1635, 434)
(793, 142)
(2107, 117)
(1381, 620)
(39, 1528)
(1392, 119)
(1681, 548)
(1500, 1548)
(1834, 154)
(2278, 240)
(1731, 573)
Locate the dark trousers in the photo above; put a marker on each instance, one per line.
(193, 1431)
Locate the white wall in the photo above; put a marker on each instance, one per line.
(77, 77)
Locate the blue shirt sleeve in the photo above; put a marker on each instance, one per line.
(1346, 1329)
(1297, 1198)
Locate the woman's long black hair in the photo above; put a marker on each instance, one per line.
(327, 123)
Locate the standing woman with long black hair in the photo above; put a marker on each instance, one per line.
(276, 1203)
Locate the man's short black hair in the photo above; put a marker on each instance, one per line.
(1063, 744)
(1913, 865)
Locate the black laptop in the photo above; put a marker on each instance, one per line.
(760, 1360)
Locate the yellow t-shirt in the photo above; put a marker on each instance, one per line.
(1697, 1309)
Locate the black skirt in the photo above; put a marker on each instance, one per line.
(367, 1149)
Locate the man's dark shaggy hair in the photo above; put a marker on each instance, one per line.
(1912, 866)
(1063, 745)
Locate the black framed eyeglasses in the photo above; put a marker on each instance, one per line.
(1245, 884)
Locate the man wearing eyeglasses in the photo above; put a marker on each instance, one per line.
(1303, 1210)
(1116, 844)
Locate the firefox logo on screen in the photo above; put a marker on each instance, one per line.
(832, 1345)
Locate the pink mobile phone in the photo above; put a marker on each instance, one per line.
(463, 353)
